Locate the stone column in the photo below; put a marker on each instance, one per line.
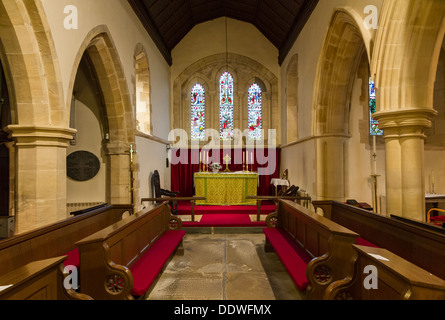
(40, 175)
(331, 157)
(405, 172)
(119, 173)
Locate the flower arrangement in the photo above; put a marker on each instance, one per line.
(215, 167)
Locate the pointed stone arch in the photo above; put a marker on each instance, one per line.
(341, 54)
(39, 126)
(99, 46)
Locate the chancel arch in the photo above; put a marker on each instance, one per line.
(120, 119)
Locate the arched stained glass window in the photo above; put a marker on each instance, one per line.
(373, 124)
(255, 112)
(198, 112)
(226, 126)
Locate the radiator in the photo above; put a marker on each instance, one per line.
(71, 207)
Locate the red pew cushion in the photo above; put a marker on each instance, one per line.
(73, 258)
(293, 258)
(146, 269)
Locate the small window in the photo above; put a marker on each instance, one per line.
(255, 112)
(198, 112)
(373, 124)
(226, 107)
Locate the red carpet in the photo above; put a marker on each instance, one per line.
(224, 220)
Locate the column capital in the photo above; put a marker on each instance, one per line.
(40, 136)
(421, 118)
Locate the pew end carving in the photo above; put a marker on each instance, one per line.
(392, 278)
(109, 256)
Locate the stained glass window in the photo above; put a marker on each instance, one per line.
(198, 112)
(226, 107)
(373, 124)
(255, 112)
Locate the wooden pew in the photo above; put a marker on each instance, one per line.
(55, 240)
(425, 248)
(122, 261)
(395, 279)
(38, 280)
(314, 250)
(421, 246)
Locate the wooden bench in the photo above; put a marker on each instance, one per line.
(395, 279)
(420, 246)
(314, 250)
(38, 280)
(122, 261)
(413, 242)
(57, 239)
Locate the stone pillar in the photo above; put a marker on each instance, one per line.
(40, 175)
(119, 174)
(405, 172)
(331, 159)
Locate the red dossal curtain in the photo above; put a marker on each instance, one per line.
(266, 163)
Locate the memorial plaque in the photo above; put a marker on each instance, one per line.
(82, 166)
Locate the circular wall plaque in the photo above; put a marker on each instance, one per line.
(82, 165)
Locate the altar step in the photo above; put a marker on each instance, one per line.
(184, 208)
(224, 221)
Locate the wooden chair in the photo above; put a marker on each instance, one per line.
(159, 192)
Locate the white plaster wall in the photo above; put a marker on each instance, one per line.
(209, 38)
(89, 138)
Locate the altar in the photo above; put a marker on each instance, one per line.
(226, 188)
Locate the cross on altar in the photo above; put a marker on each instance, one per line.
(227, 159)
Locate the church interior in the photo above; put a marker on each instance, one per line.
(302, 138)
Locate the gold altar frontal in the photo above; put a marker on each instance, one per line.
(226, 188)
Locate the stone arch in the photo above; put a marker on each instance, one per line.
(340, 58)
(30, 55)
(39, 128)
(103, 54)
(99, 46)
